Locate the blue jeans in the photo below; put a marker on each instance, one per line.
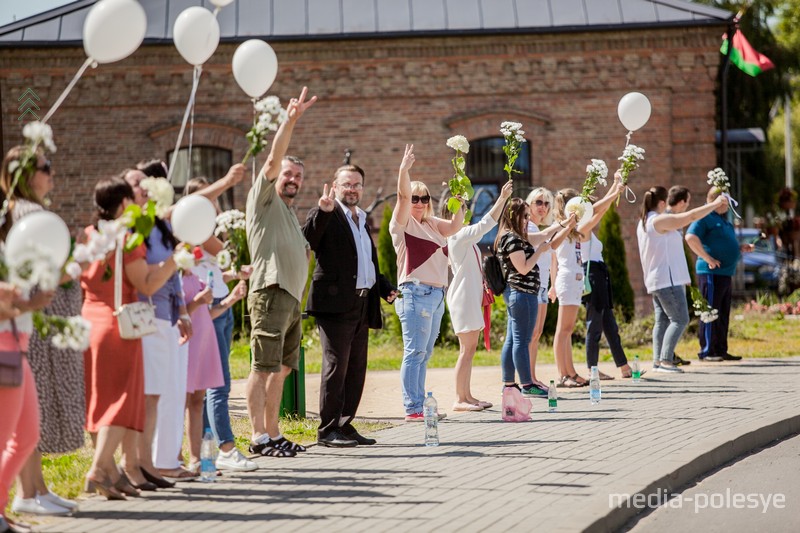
(215, 413)
(522, 309)
(420, 311)
(671, 319)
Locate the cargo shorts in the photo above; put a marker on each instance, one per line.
(277, 329)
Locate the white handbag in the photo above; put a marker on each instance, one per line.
(136, 319)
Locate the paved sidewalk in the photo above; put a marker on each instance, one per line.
(553, 474)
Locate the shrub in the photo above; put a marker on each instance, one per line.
(387, 258)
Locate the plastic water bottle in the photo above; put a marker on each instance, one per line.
(552, 397)
(431, 410)
(210, 285)
(208, 469)
(636, 370)
(594, 386)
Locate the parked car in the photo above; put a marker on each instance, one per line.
(762, 266)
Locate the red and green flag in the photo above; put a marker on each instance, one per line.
(745, 56)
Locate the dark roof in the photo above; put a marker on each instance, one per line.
(336, 19)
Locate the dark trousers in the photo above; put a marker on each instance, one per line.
(344, 366)
(600, 317)
(714, 336)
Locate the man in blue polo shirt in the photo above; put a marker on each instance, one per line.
(713, 240)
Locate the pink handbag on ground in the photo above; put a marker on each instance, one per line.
(516, 407)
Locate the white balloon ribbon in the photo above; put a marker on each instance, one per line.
(69, 87)
(731, 204)
(198, 70)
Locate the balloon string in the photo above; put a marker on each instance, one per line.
(217, 10)
(183, 124)
(629, 190)
(731, 204)
(253, 171)
(64, 94)
(197, 71)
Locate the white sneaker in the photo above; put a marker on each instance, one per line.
(235, 461)
(37, 506)
(669, 369)
(52, 497)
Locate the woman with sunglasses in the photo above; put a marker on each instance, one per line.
(420, 240)
(465, 295)
(539, 202)
(569, 279)
(58, 373)
(519, 259)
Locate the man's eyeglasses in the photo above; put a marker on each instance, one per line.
(351, 186)
(46, 167)
(424, 199)
(540, 203)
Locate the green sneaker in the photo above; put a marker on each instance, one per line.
(534, 392)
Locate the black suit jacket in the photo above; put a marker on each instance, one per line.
(333, 284)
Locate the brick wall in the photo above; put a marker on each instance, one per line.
(377, 95)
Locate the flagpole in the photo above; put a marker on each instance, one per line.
(724, 111)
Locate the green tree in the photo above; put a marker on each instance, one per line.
(387, 258)
(614, 257)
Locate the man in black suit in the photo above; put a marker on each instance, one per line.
(344, 299)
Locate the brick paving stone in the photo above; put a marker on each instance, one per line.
(555, 473)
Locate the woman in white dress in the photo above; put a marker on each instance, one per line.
(465, 296)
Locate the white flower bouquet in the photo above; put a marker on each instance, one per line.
(184, 259)
(33, 267)
(718, 180)
(514, 136)
(630, 161)
(582, 208)
(37, 134)
(460, 185)
(160, 191)
(67, 332)
(269, 116)
(701, 308)
(596, 173)
(231, 225)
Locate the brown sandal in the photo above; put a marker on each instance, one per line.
(579, 380)
(568, 382)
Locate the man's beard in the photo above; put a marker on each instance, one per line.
(352, 201)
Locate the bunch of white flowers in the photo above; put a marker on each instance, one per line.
(630, 160)
(718, 179)
(459, 143)
(33, 266)
(39, 133)
(579, 208)
(512, 129)
(269, 116)
(228, 221)
(74, 336)
(99, 242)
(701, 307)
(184, 259)
(161, 192)
(596, 172)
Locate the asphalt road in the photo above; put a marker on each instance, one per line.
(760, 492)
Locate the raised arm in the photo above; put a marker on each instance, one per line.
(473, 233)
(280, 144)
(672, 221)
(563, 233)
(451, 227)
(402, 210)
(602, 205)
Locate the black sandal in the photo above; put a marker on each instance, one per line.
(285, 444)
(277, 452)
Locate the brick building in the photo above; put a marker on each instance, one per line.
(389, 72)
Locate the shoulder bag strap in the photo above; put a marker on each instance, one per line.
(118, 275)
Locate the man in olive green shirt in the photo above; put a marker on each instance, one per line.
(279, 254)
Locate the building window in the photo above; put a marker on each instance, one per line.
(485, 163)
(208, 162)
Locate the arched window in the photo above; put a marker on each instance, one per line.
(485, 163)
(209, 162)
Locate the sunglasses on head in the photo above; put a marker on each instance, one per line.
(46, 167)
(424, 199)
(540, 203)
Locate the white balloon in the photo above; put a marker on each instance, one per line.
(196, 34)
(113, 30)
(41, 230)
(634, 111)
(255, 66)
(221, 3)
(586, 206)
(194, 219)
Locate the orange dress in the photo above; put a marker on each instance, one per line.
(113, 367)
